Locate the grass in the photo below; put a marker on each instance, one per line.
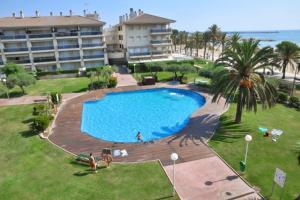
(32, 168)
(63, 85)
(167, 76)
(264, 155)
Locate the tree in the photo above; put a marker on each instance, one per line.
(174, 38)
(223, 40)
(197, 36)
(206, 38)
(12, 68)
(154, 67)
(21, 79)
(234, 39)
(4, 90)
(241, 78)
(287, 53)
(214, 31)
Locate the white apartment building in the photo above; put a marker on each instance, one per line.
(139, 36)
(50, 43)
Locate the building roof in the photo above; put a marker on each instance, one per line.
(148, 19)
(47, 21)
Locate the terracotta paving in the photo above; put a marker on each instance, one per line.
(209, 178)
(188, 143)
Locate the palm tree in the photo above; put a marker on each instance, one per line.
(241, 78)
(223, 40)
(287, 53)
(235, 38)
(214, 31)
(197, 36)
(174, 38)
(206, 38)
(185, 41)
(181, 39)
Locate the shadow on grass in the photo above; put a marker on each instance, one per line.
(166, 197)
(229, 131)
(80, 90)
(28, 133)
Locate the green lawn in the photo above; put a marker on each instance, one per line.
(63, 85)
(167, 76)
(264, 155)
(32, 168)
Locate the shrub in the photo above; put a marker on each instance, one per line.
(282, 97)
(294, 100)
(54, 96)
(112, 82)
(40, 123)
(97, 85)
(285, 86)
(39, 109)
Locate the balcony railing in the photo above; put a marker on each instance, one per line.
(92, 45)
(15, 49)
(91, 33)
(160, 41)
(68, 46)
(69, 58)
(13, 37)
(166, 30)
(159, 52)
(42, 35)
(44, 59)
(93, 56)
(42, 48)
(63, 34)
(140, 54)
(22, 61)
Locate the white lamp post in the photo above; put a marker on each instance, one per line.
(5, 83)
(174, 157)
(134, 68)
(248, 138)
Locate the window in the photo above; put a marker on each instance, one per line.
(131, 28)
(138, 27)
(138, 38)
(120, 28)
(120, 37)
(131, 39)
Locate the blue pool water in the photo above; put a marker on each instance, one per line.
(156, 113)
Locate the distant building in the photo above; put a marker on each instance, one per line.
(139, 36)
(50, 43)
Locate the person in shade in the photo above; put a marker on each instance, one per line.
(93, 163)
(139, 137)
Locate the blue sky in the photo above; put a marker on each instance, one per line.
(191, 15)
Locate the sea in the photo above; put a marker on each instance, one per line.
(271, 38)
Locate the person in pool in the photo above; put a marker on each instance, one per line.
(139, 137)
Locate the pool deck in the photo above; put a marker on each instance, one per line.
(189, 143)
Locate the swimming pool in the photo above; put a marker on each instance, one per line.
(156, 113)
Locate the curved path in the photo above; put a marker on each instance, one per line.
(188, 143)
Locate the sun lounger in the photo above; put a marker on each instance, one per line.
(275, 134)
(116, 153)
(84, 159)
(124, 153)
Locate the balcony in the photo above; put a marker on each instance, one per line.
(42, 48)
(13, 37)
(42, 35)
(69, 58)
(68, 46)
(44, 59)
(157, 53)
(160, 42)
(91, 33)
(93, 56)
(161, 31)
(1, 62)
(91, 45)
(22, 61)
(15, 49)
(140, 54)
(64, 34)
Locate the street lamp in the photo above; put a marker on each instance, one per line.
(5, 83)
(134, 68)
(248, 138)
(174, 157)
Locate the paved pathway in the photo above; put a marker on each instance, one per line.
(33, 99)
(124, 78)
(209, 178)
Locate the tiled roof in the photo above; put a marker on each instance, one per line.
(148, 19)
(47, 21)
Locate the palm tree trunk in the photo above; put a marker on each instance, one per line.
(204, 52)
(284, 69)
(213, 51)
(239, 108)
